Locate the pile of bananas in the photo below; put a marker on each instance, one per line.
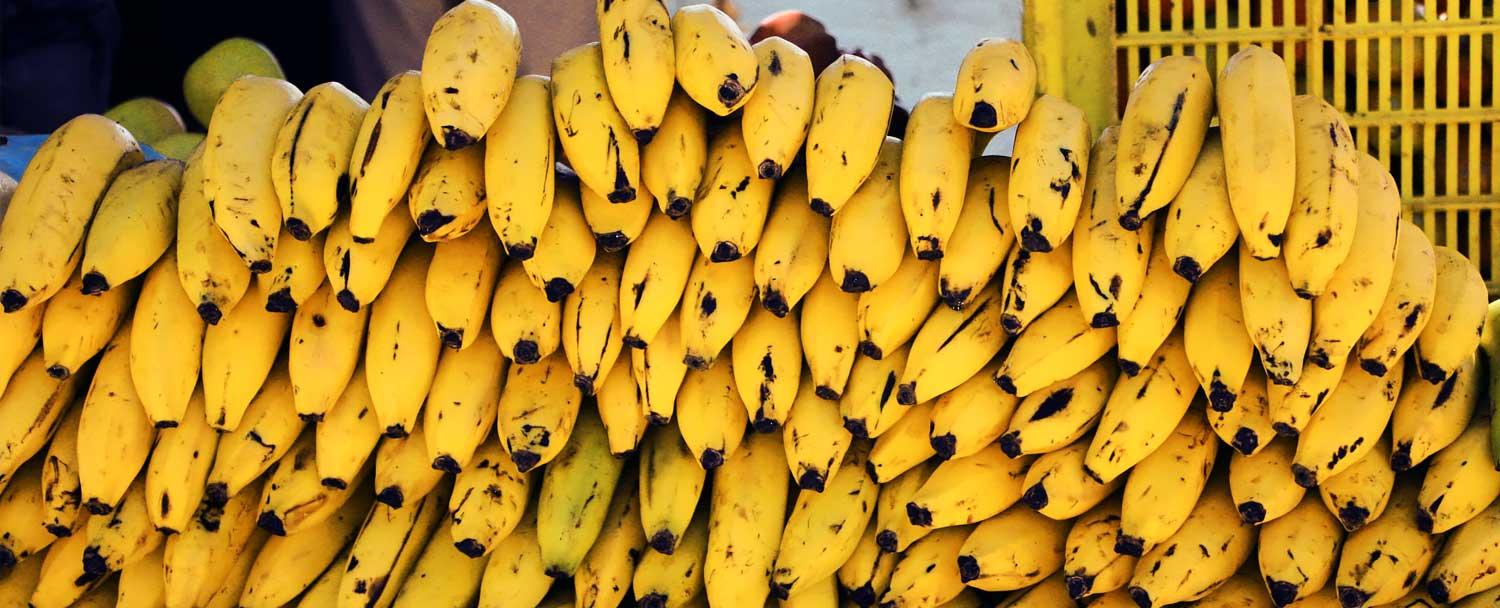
(744, 348)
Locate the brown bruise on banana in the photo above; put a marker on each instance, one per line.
(907, 393)
(1031, 233)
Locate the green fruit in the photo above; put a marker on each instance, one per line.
(147, 118)
(213, 71)
(178, 145)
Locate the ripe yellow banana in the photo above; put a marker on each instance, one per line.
(716, 301)
(1292, 407)
(1206, 551)
(982, 238)
(867, 239)
(1091, 566)
(777, 117)
(296, 272)
(897, 531)
(359, 270)
(460, 280)
(401, 347)
(890, 315)
(134, 225)
(51, 207)
(404, 474)
(385, 551)
(866, 575)
(1012, 550)
(1060, 413)
(745, 516)
(140, 584)
(526, 327)
(386, 153)
(927, 573)
(996, 85)
(566, 248)
(1161, 133)
(1110, 262)
(1407, 307)
(30, 410)
(58, 586)
(488, 502)
(61, 507)
(658, 370)
(19, 335)
(310, 160)
(461, 405)
(1354, 293)
(850, 118)
(468, 68)
(1346, 426)
(519, 152)
(830, 336)
(447, 195)
(324, 591)
(635, 38)
(1405, 554)
(237, 165)
(904, 446)
(323, 352)
(238, 354)
(971, 416)
(950, 348)
(815, 438)
(1056, 346)
(1247, 426)
(1459, 484)
(968, 490)
(672, 169)
(868, 405)
(1458, 314)
(22, 579)
(295, 498)
(1060, 485)
(22, 512)
(729, 216)
(715, 64)
(1163, 297)
(1259, 136)
(767, 366)
(604, 577)
(262, 437)
(662, 579)
(1279, 321)
(515, 577)
(1359, 495)
(1164, 487)
(670, 484)
(1298, 552)
(1430, 417)
(616, 226)
(207, 266)
(934, 174)
(114, 428)
(1213, 331)
(710, 415)
(595, 137)
(76, 327)
(178, 468)
(824, 528)
(442, 576)
(1046, 173)
(1462, 567)
(620, 408)
(1200, 224)
(1263, 485)
(654, 275)
(347, 435)
(575, 495)
(537, 410)
(1033, 283)
(591, 323)
(1325, 204)
(121, 538)
(1143, 409)
(794, 248)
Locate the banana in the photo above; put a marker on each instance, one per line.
(1063, 412)
(1091, 566)
(1405, 553)
(1046, 173)
(903, 446)
(1012, 550)
(1142, 411)
(950, 348)
(1292, 407)
(30, 410)
(22, 512)
(776, 118)
(968, 490)
(1359, 495)
(61, 492)
(1242, 589)
(653, 278)
(890, 315)
(995, 86)
(566, 248)
(766, 360)
(661, 580)
(591, 323)
(1213, 330)
(207, 266)
(1481, 599)
(386, 154)
(1162, 300)
(133, 227)
(1060, 486)
(1325, 205)
(310, 160)
(868, 405)
(295, 498)
(673, 169)
(636, 41)
(537, 410)
(1346, 426)
(1429, 417)
(265, 434)
(1459, 484)
(519, 151)
(514, 577)
(468, 68)
(620, 409)
(442, 576)
(967, 598)
(971, 416)
(824, 528)
(866, 575)
(595, 137)
(575, 495)
(1356, 289)
(19, 334)
(401, 347)
(238, 355)
(53, 203)
(732, 204)
(1278, 320)
(1162, 489)
(1034, 283)
(360, 270)
(928, 573)
(460, 280)
(851, 114)
(447, 195)
(115, 428)
(1298, 552)
(526, 326)
(76, 326)
(1407, 307)
(20, 580)
(711, 416)
(1456, 321)
(934, 174)
(830, 336)
(982, 238)
(1247, 426)
(616, 226)
(1206, 551)
(237, 165)
(745, 515)
(814, 437)
(670, 485)
(716, 301)
(141, 584)
(714, 62)
(1200, 225)
(1052, 591)
(867, 240)
(178, 468)
(488, 501)
(1259, 136)
(403, 469)
(1110, 262)
(1262, 485)
(1059, 344)
(659, 371)
(604, 577)
(347, 435)
(794, 248)
(1161, 133)
(1462, 567)
(57, 585)
(324, 591)
(120, 538)
(897, 530)
(323, 352)
(296, 272)
(385, 551)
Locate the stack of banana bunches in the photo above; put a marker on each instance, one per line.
(745, 349)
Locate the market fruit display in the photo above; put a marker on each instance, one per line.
(681, 324)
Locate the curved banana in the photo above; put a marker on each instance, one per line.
(359, 269)
(672, 170)
(616, 226)
(968, 490)
(866, 575)
(288, 565)
(310, 160)
(1247, 426)
(122, 538)
(75, 326)
(595, 137)
(716, 301)
(1325, 204)
(1406, 552)
(401, 347)
(1213, 331)
(662, 579)
(460, 280)
(794, 248)
(404, 474)
(518, 152)
(347, 435)
(1161, 132)
(1033, 283)
(1220, 543)
(653, 278)
(296, 272)
(1459, 484)
(237, 165)
(620, 408)
(1060, 413)
(1263, 485)
(851, 114)
(934, 174)
(1430, 417)
(57, 584)
(927, 573)
(710, 415)
(537, 411)
(868, 404)
(892, 314)
(1458, 315)
(385, 551)
(658, 370)
(30, 410)
(1346, 426)
(61, 490)
(1143, 409)
(1164, 487)
(1046, 173)
(1012, 550)
(1259, 135)
(386, 153)
(461, 405)
(575, 495)
(22, 512)
(745, 515)
(730, 213)
(1163, 297)
(1292, 407)
(971, 416)
(264, 435)
(824, 528)
(1200, 224)
(715, 64)
(1298, 552)
(980, 242)
(670, 483)
(515, 576)
(526, 326)
(140, 584)
(488, 501)
(1279, 321)
(1110, 262)
(19, 334)
(635, 38)
(815, 438)
(1407, 307)
(447, 195)
(295, 498)
(996, 85)
(897, 530)
(468, 68)
(1462, 567)
(766, 359)
(208, 268)
(566, 248)
(867, 239)
(591, 323)
(134, 225)
(1359, 495)
(904, 446)
(238, 355)
(115, 429)
(604, 577)
(178, 468)
(777, 117)
(1091, 566)
(1355, 291)
(950, 348)
(830, 336)
(1060, 485)
(323, 352)
(1059, 344)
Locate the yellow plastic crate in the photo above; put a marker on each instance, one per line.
(1416, 78)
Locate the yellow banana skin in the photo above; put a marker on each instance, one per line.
(30, 410)
(1033, 283)
(179, 465)
(1292, 407)
(776, 118)
(928, 574)
(460, 410)
(288, 565)
(591, 323)
(51, 206)
(19, 334)
(868, 404)
(206, 263)
(237, 159)
(767, 365)
(23, 578)
(715, 64)
(1163, 488)
(995, 87)
(1325, 204)
(730, 213)
(488, 501)
(1355, 291)
(614, 226)
(1091, 567)
(61, 491)
(1298, 552)
(358, 269)
(347, 435)
(1060, 486)
(447, 195)
(715, 304)
(982, 238)
(1259, 137)
(514, 576)
(934, 174)
(310, 161)
(745, 523)
(1458, 315)
(710, 415)
(1359, 495)
(1462, 567)
(238, 355)
(385, 551)
(1161, 133)
(604, 577)
(1046, 173)
(519, 151)
(1279, 321)
(971, 416)
(134, 225)
(76, 327)
(815, 438)
(1200, 224)
(635, 37)
(950, 348)
(1247, 426)
(295, 499)
(1056, 346)
(263, 436)
(140, 584)
(401, 348)
(566, 249)
(1430, 417)
(1459, 484)
(620, 407)
(1407, 307)
(1013, 550)
(596, 139)
(1142, 411)
(323, 352)
(537, 411)
(673, 168)
(1213, 331)
(22, 511)
(1156, 313)
(794, 249)
(889, 316)
(120, 538)
(670, 484)
(950, 496)
(1263, 486)
(653, 277)
(662, 580)
(850, 118)
(468, 68)
(904, 446)
(1346, 426)
(56, 586)
(574, 498)
(403, 469)
(528, 327)
(296, 272)
(1172, 572)
(386, 153)
(824, 528)
(830, 336)
(1110, 262)
(659, 371)
(867, 239)
(460, 281)
(115, 429)
(1406, 552)
(897, 531)
(867, 574)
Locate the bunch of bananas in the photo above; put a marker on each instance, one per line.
(744, 348)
